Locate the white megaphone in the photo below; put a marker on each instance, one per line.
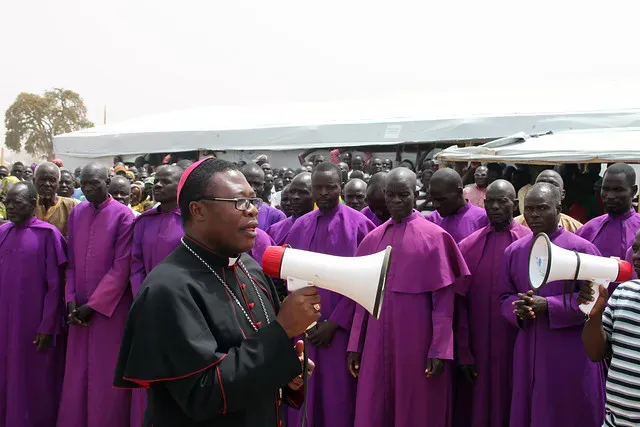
(548, 263)
(362, 279)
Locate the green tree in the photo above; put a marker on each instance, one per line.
(33, 120)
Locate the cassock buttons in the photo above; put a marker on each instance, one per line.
(258, 324)
(242, 286)
(251, 305)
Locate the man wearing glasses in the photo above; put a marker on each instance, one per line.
(206, 335)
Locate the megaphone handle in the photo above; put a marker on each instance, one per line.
(595, 285)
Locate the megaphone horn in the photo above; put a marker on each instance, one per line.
(549, 263)
(361, 279)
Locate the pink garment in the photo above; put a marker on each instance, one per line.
(475, 195)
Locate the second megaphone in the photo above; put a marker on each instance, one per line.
(548, 263)
(361, 279)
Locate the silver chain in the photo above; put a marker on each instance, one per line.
(235, 298)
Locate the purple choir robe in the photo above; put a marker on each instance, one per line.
(366, 211)
(262, 242)
(554, 383)
(99, 250)
(482, 335)
(267, 216)
(280, 230)
(32, 262)
(612, 235)
(629, 259)
(331, 393)
(155, 235)
(415, 324)
(468, 219)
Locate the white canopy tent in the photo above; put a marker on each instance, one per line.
(578, 146)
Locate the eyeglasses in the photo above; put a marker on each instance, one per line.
(241, 204)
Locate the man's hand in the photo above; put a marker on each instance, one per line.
(469, 372)
(299, 310)
(298, 382)
(353, 362)
(84, 314)
(587, 295)
(434, 367)
(322, 334)
(42, 342)
(72, 312)
(537, 303)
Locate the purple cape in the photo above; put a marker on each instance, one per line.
(30, 303)
(267, 216)
(416, 323)
(98, 275)
(554, 383)
(482, 336)
(372, 217)
(262, 242)
(468, 219)
(612, 235)
(280, 230)
(331, 394)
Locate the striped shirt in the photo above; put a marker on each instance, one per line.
(621, 323)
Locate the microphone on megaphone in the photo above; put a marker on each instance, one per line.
(548, 263)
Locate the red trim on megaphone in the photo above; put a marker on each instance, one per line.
(625, 271)
(272, 260)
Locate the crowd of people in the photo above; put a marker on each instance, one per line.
(462, 339)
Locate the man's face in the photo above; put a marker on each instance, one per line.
(27, 175)
(541, 214)
(378, 204)
(268, 182)
(300, 198)
(120, 190)
(376, 165)
(425, 178)
(278, 185)
(285, 202)
(19, 207)
(165, 186)
(387, 165)
(481, 176)
(94, 185)
(345, 158)
(231, 230)
(4, 172)
(317, 160)
(354, 197)
(400, 198)
(445, 199)
(499, 207)
(357, 164)
(325, 187)
(256, 181)
(266, 168)
(47, 182)
(616, 193)
(17, 171)
(65, 186)
(288, 177)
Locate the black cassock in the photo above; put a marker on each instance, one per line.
(190, 345)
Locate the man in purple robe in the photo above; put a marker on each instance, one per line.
(484, 341)
(554, 383)
(453, 213)
(614, 232)
(403, 359)
(332, 229)
(267, 215)
(156, 233)
(32, 261)
(98, 299)
(301, 203)
(355, 194)
(376, 209)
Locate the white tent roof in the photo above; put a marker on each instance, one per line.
(430, 117)
(580, 146)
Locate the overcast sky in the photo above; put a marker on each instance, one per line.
(144, 56)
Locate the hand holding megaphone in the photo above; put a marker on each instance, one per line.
(299, 310)
(594, 297)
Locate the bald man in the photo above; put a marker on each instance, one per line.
(355, 193)
(552, 177)
(403, 360)
(376, 209)
(554, 383)
(453, 213)
(614, 232)
(52, 208)
(300, 202)
(267, 216)
(98, 300)
(484, 341)
(476, 193)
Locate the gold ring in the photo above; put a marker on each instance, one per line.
(316, 307)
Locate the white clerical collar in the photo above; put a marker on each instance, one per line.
(233, 261)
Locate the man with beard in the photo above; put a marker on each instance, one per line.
(267, 215)
(614, 232)
(98, 299)
(453, 213)
(355, 193)
(554, 383)
(376, 209)
(52, 208)
(332, 229)
(476, 193)
(66, 187)
(484, 341)
(202, 361)
(403, 360)
(32, 261)
(301, 203)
